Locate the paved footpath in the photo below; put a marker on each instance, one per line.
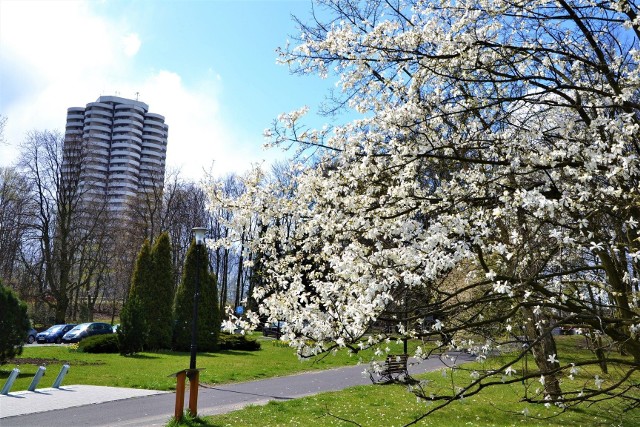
(79, 405)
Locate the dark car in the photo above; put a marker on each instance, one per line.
(54, 334)
(31, 335)
(84, 330)
(274, 329)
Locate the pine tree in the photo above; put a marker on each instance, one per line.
(133, 330)
(159, 310)
(208, 311)
(142, 274)
(14, 324)
(141, 289)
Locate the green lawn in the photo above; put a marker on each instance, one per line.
(375, 405)
(152, 370)
(394, 405)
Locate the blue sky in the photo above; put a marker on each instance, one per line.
(208, 66)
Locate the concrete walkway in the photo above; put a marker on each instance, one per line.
(78, 405)
(51, 399)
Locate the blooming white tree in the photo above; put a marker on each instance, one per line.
(488, 195)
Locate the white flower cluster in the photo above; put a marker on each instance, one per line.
(495, 172)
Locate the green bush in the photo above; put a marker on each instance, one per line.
(133, 318)
(107, 343)
(14, 324)
(196, 269)
(133, 330)
(159, 308)
(237, 342)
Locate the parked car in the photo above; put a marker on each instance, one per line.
(31, 336)
(54, 333)
(569, 330)
(84, 330)
(274, 328)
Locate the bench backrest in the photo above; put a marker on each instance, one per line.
(396, 362)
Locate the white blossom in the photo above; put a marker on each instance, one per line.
(598, 381)
(489, 171)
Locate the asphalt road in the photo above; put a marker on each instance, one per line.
(156, 410)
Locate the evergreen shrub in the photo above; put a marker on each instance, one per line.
(159, 305)
(237, 342)
(133, 330)
(14, 324)
(208, 326)
(107, 343)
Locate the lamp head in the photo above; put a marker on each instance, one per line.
(198, 234)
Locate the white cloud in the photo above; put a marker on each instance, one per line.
(55, 54)
(131, 44)
(56, 38)
(58, 54)
(199, 140)
(196, 134)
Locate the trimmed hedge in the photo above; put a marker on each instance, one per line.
(237, 342)
(107, 343)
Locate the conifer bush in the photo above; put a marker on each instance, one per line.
(14, 324)
(237, 342)
(159, 306)
(133, 330)
(108, 343)
(208, 310)
(141, 291)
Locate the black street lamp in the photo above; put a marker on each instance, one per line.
(192, 373)
(198, 234)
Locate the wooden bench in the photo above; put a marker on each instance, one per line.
(395, 369)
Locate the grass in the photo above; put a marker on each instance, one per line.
(187, 421)
(393, 405)
(152, 370)
(375, 405)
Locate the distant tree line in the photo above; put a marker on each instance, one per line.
(69, 259)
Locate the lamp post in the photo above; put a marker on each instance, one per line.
(192, 373)
(198, 234)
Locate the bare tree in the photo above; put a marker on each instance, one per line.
(185, 204)
(63, 221)
(3, 123)
(14, 207)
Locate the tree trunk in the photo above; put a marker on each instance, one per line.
(74, 304)
(239, 278)
(62, 304)
(543, 346)
(113, 308)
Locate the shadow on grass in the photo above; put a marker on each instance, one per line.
(238, 352)
(141, 356)
(213, 355)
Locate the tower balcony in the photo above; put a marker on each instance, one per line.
(131, 115)
(89, 120)
(97, 127)
(126, 137)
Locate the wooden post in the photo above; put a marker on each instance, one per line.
(194, 379)
(194, 382)
(181, 377)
